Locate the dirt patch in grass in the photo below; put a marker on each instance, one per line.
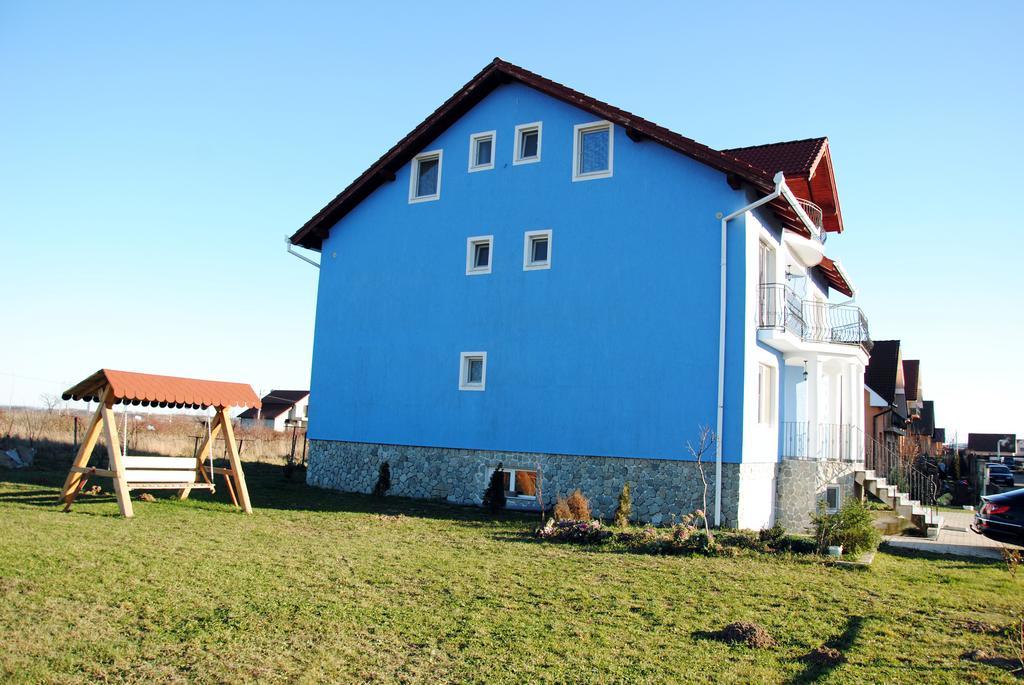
(750, 634)
(825, 656)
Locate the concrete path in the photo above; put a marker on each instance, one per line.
(955, 537)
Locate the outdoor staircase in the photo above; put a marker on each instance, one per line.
(923, 517)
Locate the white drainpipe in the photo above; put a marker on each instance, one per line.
(780, 186)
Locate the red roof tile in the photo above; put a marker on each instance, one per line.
(162, 391)
(792, 157)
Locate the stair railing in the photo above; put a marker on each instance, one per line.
(901, 472)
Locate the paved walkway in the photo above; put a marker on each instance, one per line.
(955, 537)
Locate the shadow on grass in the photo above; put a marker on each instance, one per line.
(268, 489)
(818, 667)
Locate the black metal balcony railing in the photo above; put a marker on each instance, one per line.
(780, 308)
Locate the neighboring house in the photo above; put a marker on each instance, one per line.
(939, 442)
(991, 445)
(281, 409)
(535, 278)
(922, 431)
(885, 403)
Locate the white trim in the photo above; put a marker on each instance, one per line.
(839, 498)
(473, 139)
(521, 128)
(471, 243)
(414, 170)
(767, 384)
(511, 494)
(528, 263)
(464, 369)
(577, 135)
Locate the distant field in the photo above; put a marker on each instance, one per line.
(322, 587)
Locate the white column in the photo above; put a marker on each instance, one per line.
(813, 410)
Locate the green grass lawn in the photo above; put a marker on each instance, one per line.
(319, 586)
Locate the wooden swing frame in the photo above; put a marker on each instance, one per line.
(127, 473)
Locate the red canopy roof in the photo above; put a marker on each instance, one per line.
(835, 276)
(162, 391)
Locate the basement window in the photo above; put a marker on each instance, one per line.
(592, 150)
(472, 371)
(537, 250)
(481, 151)
(831, 499)
(521, 483)
(527, 144)
(478, 254)
(425, 180)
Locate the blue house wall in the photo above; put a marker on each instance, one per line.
(613, 351)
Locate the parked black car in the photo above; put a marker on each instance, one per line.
(1000, 475)
(1001, 514)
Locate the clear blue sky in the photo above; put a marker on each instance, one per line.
(153, 157)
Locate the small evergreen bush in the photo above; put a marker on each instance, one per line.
(625, 508)
(383, 480)
(852, 527)
(772, 537)
(494, 495)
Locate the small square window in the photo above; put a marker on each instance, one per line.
(527, 144)
(593, 147)
(832, 499)
(472, 370)
(537, 250)
(520, 483)
(478, 254)
(425, 179)
(481, 151)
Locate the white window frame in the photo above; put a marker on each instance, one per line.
(839, 498)
(464, 383)
(512, 480)
(577, 150)
(473, 140)
(765, 394)
(528, 237)
(414, 172)
(471, 243)
(520, 129)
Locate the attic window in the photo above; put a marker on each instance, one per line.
(527, 144)
(425, 181)
(481, 151)
(592, 148)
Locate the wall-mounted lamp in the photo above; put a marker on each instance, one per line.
(805, 370)
(790, 275)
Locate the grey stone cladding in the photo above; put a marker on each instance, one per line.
(660, 488)
(800, 486)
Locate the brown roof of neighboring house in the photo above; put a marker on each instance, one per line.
(130, 387)
(500, 72)
(987, 442)
(911, 378)
(275, 403)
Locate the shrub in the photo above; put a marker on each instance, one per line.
(573, 531)
(494, 495)
(772, 537)
(625, 508)
(579, 506)
(945, 499)
(852, 527)
(383, 480)
(562, 511)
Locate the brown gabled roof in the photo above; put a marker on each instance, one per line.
(149, 389)
(792, 157)
(835, 277)
(275, 403)
(499, 72)
(912, 378)
(883, 366)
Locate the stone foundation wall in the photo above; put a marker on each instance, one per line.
(800, 485)
(659, 487)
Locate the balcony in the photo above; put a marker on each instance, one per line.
(813, 213)
(828, 441)
(780, 308)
